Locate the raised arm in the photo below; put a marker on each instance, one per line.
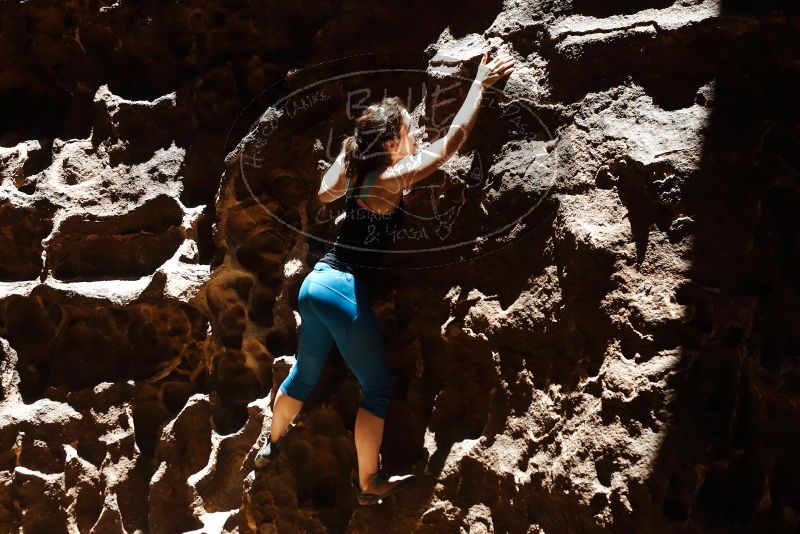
(333, 183)
(414, 168)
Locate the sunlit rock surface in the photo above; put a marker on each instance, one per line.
(611, 347)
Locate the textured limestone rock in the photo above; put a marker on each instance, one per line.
(600, 333)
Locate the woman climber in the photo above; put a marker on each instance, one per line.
(333, 300)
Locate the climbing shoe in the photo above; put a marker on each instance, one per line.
(266, 453)
(381, 485)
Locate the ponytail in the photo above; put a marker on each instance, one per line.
(364, 151)
(351, 163)
(350, 149)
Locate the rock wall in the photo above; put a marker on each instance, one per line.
(615, 348)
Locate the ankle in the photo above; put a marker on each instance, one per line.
(369, 484)
(365, 483)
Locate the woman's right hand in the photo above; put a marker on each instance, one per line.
(491, 71)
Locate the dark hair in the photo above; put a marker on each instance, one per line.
(364, 150)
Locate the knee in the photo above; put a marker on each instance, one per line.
(294, 387)
(375, 399)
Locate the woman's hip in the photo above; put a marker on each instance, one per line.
(327, 287)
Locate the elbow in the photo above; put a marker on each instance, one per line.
(324, 194)
(323, 197)
(327, 196)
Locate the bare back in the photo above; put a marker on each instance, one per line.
(374, 193)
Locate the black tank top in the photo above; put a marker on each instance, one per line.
(362, 236)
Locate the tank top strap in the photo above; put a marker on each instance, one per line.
(350, 194)
(370, 179)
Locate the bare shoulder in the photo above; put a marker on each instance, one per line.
(399, 176)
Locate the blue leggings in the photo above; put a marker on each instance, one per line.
(334, 307)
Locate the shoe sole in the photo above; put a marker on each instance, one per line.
(367, 499)
(260, 462)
